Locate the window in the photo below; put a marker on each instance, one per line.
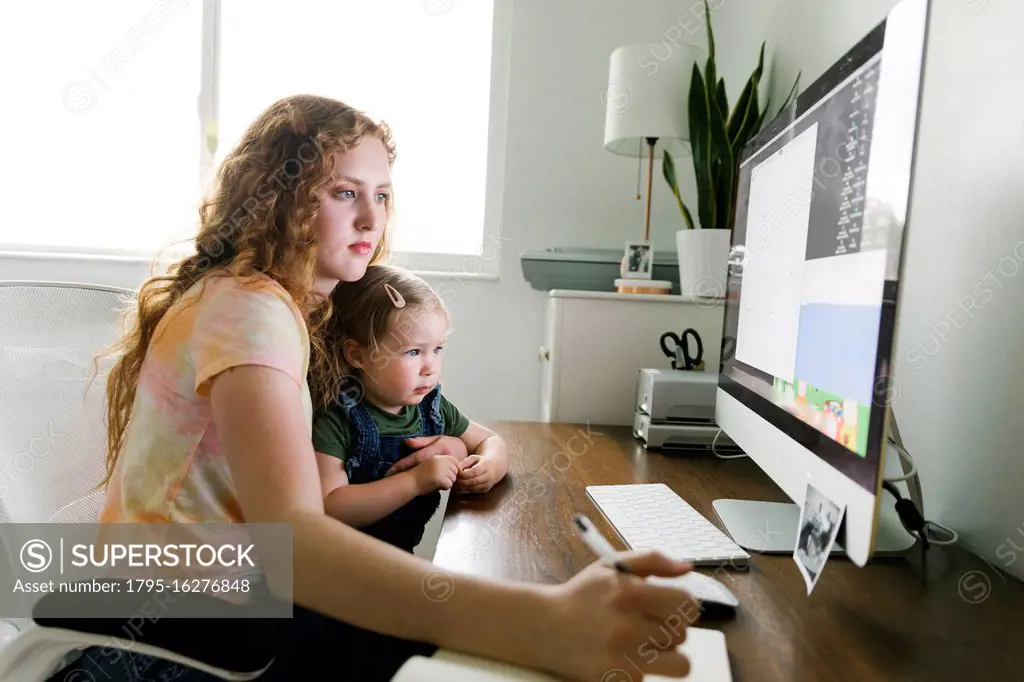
(111, 115)
(101, 151)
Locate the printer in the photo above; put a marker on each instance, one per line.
(675, 409)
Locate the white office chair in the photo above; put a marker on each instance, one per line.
(52, 451)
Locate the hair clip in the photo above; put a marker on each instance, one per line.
(395, 297)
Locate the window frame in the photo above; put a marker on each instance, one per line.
(485, 264)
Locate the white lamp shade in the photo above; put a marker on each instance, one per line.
(647, 93)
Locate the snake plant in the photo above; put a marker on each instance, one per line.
(717, 136)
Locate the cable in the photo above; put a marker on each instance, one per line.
(910, 516)
(911, 478)
(929, 532)
(720, 455)
(906, 456)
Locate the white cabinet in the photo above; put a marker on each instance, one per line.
(595, 344)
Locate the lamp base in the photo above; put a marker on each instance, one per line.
(643, 286)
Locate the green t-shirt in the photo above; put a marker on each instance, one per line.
(333, 434)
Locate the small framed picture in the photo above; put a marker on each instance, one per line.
(639, 260)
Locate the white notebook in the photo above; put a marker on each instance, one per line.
(709, 662)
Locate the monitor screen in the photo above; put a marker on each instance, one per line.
(821, 200)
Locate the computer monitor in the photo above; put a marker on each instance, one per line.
(822, 200)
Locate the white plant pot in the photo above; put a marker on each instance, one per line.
(703, 260)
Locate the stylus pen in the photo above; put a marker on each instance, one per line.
(597, 543)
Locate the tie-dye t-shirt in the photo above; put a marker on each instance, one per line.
(172, 468)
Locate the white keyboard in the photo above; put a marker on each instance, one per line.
(652, 516)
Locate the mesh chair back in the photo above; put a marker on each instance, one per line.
(52, 400)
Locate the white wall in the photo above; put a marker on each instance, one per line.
(959, 378)
(561, 187)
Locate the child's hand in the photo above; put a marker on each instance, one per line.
(437, 473)
(477, 475)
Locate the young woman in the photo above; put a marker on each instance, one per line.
(210, 417)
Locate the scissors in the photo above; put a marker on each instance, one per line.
(680, 354)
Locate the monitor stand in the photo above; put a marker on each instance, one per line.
(771, 527)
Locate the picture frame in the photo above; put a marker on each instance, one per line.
(638, 260)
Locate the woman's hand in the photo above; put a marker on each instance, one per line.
(603, 625)
(426, 447)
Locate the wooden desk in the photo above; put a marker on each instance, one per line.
(875, 623)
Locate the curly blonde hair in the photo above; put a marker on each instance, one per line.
(258, 219)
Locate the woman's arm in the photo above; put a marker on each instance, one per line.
(429, 446)
(266, 436)
(579, 629)
(361, 504)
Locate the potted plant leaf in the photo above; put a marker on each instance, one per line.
(717, 136)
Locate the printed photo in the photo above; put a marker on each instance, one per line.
(639, 260)
(818, 528)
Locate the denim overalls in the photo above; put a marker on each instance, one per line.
(373, 454)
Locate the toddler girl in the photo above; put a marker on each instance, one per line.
(392, 329)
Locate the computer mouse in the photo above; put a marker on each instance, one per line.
(716, 601)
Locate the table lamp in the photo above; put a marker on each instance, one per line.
(646, 108)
